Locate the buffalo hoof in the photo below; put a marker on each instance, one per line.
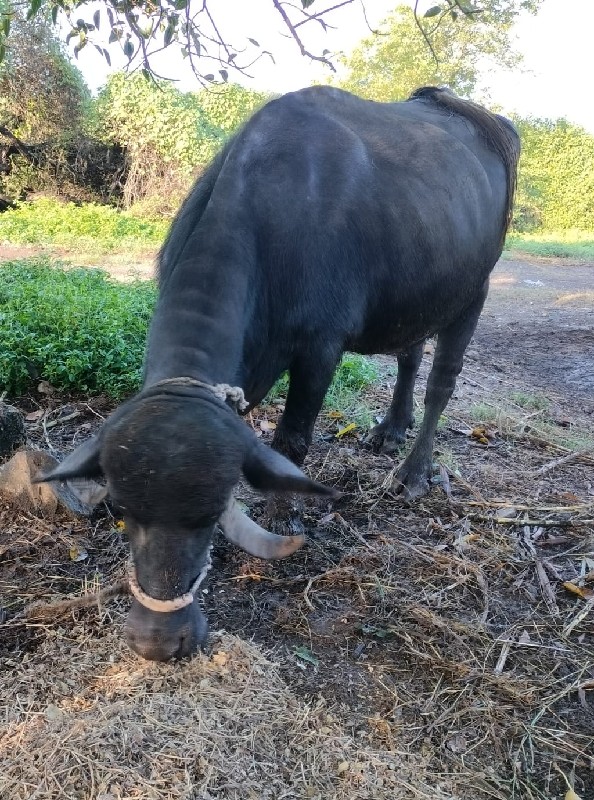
(385, 439)
(412, 482)
(284, 516)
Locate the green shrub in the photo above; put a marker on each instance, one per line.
(556, 176)
(74, 328)
(88, 226)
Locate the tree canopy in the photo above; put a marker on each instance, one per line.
(389, 66)
(41, 93)
(141, 29)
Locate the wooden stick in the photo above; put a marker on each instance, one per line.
(557, 462)
(43, 611)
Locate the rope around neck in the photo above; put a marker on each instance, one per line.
(166, 606)
(222, 391)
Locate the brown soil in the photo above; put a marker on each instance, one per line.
(438, 634)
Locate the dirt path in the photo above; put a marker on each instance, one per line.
(538, 323)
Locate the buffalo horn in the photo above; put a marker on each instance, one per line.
(247, 534)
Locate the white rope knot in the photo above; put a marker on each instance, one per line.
(222, 391)
(166, 606)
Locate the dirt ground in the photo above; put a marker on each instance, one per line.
(454, 635)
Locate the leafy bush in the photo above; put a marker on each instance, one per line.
(170, 135)
(556, 177)
(90, 226)
(72, 327)
(166, 133)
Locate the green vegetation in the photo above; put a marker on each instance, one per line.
(556, 184)
(553, 244)
(86, 334)
(72, 327)
(353, 375)
(169, 135)
(89, 227)
(391, 66)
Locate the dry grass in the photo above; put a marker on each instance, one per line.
(83, 718)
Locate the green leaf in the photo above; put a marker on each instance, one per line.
(433, 11)
(128, 49)
(34, 7)
(307, 3)
(306, 655)
(55, 10)
(224, 74)
(97, 18)
(210, 77)
(2, 52)
(253, 41)
(168, 35)
(6, 25)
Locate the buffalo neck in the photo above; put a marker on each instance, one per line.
(199, 322)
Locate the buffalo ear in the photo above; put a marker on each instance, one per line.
(269, 471)
(81, 463)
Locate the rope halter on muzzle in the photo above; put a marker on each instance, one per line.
(166, 606)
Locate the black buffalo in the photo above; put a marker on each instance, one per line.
(329, 223)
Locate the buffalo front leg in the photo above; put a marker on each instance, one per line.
(309, 380)
(414, 473)
(389, 435)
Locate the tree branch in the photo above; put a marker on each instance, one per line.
(304, 52)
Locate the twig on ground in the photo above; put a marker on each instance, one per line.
(579, 617)
(557, 462)
(40, 610)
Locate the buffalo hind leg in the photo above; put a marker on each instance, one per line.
(309, 380)
(390, 434)
(414, 473)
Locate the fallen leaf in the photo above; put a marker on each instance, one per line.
(305, 655)
(52, 712)
(45, 387)
(344, 765)
(77, 554)
(524, 638)
(347, 429)
(220, 658)
(507, 513)
(584, 593)
(457, 743)
(35, 415)
(335, 415)
(571, 795)
(266, 426)
(481, 434)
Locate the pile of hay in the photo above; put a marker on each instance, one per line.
(84, 718)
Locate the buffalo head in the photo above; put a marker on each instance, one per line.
(171, 461)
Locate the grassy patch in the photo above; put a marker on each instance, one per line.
(353, 376)
(524, 417)
(84, 333)
(91, 228)
(553, 244)
(74, 328)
